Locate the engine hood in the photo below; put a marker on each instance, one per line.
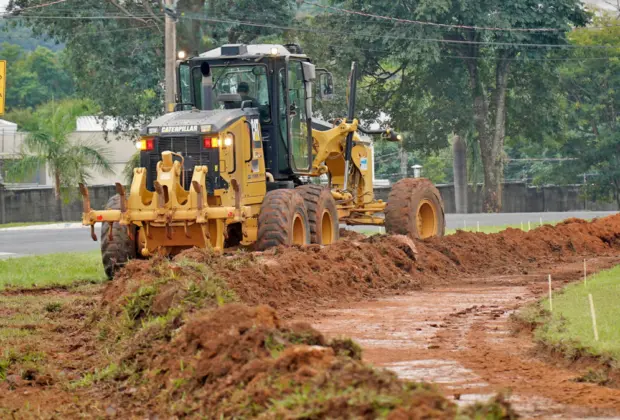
(196, 121)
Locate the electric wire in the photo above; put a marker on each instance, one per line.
(435, 24)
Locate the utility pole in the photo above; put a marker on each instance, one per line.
(170, 10)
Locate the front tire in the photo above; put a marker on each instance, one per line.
(283, 220)
(322, 214)
(415, 209)
(117, 252)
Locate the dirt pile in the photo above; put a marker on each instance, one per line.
(241, 362)
(514, 251)
(180, 350)
(234, 361)
(298, 279)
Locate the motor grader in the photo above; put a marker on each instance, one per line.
(241, 162)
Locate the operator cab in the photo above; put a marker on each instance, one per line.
(274, 79)
(268, 81)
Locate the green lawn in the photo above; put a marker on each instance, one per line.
(51, 270)
(570, 325)
(482, 229)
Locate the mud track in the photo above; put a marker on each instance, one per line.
(461, 337)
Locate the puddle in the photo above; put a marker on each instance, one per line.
(431, 370)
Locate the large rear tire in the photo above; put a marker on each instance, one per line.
(283, 220)
(116, 252)
(415, 209)
(322, 214)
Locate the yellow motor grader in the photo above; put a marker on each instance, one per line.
(241, 162)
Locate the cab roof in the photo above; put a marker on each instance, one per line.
(251, 51)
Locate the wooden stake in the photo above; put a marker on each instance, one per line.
(541, 221)
(550, 295)
(585, 273)
(521, 224)
(593, 313)
(478, 226)
(528, 226)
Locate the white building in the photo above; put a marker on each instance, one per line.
(119, 147)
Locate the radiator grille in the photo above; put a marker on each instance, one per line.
(193, 154)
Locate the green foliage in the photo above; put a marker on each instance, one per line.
(593, 95)
(436, 165)
(465, 83)
(119, 63)
(34, 77)
(53, 307)
(132, 163)
(48, 143)
(10, 357)
(139, 303)
(24, 38)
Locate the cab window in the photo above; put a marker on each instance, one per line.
(298, 117)
(248, 81)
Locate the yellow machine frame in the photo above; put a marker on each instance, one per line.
(172, 218)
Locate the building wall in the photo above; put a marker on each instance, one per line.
(39, 204)
(119, 148)
(521, 198)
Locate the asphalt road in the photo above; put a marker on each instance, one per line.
(14, 243)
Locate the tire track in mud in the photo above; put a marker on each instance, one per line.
(460, 337)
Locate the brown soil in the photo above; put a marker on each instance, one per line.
(175, 353)
(235, 361)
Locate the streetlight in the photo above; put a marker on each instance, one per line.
(417, 171)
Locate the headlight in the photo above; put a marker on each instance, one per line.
(229, 140)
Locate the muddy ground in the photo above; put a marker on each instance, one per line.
(434, 311)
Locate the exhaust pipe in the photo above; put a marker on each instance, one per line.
(207, 87)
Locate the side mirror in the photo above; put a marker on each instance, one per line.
(326, 85)
(293, 110)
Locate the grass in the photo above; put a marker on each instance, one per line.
(51, 270)
(498, 228)
(474, 228)
(22, 224)
(569, 326)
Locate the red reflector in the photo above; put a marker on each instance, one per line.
(99, 218)
(206, 142)
(150, 144)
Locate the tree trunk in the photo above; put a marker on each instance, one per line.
(404, 160)
(58, 196)
(490, 123)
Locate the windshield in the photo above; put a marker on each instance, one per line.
(247, 81)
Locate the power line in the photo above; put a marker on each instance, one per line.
(367, 35)
(60, 17)
(39, 6)
(426, 23)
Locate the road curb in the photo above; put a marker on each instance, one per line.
(53, 226)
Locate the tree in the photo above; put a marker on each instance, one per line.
(592, 86)
(478, 62)
(35, 77)
(47, 144)
(115, 49)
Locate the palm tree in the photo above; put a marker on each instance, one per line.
(47, 144)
